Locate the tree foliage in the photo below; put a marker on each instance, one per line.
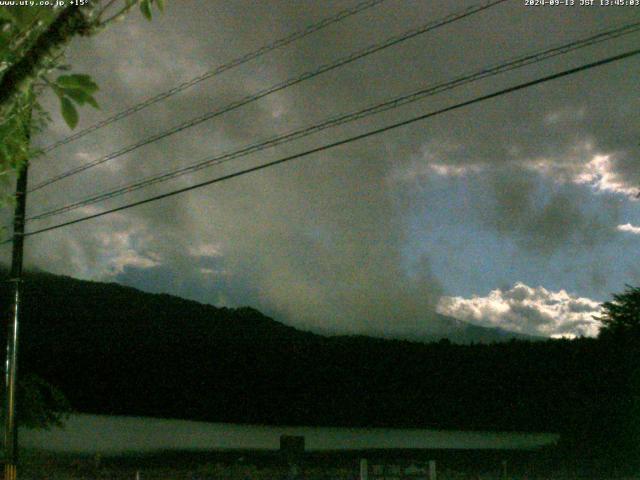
(41, 405)
(32, 43)
(621, 317)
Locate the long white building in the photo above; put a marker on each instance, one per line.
(111, 435)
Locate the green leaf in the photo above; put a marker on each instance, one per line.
(5, 14)
(160, 4)
(77, 95)
(58, 91)
(22, 16)
(6, 56)
(78, 81)
(80, 97)
(145, 8)
(5, 155)
(69, 112)
(92, 101)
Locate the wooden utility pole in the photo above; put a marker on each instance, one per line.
(11, 373)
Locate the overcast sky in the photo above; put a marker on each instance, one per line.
(516, 212)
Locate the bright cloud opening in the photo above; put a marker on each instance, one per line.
(600, 174)
(627, 227)
(528, 310)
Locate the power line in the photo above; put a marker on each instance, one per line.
(518, 62)
(284, 41)
(275, 88)
(328, 146)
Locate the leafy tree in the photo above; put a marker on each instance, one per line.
(32, 43)
(42, 405)
(620, 349)
(621, 317)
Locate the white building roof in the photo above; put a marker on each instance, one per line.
(107, 434)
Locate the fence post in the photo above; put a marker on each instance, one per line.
(364, 469)
(432, 470)
(504, 469)
(137, 474)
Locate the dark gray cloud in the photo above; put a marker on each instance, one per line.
(544, 223)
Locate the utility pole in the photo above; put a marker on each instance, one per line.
(11, 372)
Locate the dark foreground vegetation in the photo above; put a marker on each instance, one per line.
(262, 465)
(116, 350)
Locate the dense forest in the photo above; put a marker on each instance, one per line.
(116, 350)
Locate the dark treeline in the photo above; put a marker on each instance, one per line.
(116, 350)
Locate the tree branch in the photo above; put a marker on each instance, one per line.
(72, 21)
(116, 16)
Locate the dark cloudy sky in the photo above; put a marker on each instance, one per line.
(516, 212)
